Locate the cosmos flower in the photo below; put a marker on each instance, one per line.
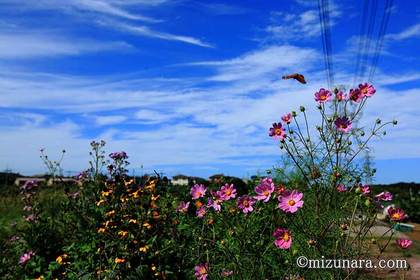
(323, 95)
(341, 188)
(404, 243)
(384, 196)
(264, 189)
(292, 202)
(118, 155)
(119, 260)
(183, 207)
(198, 190)
(396, 214)
(340, 96)
(245, 203)
(356, 95)
(287, 119)
(283, 238)
(201, 271)
(227, 192)
(215, 202)
(201, 212)
(364, 189)
(25, 257)
(343, 124)
(277, 131)
(367, 89)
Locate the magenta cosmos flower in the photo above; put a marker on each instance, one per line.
(215, 202)
(404, 243)
(277, 131)
(201, 212)
(356, 95)
(198, 190)
(287, 119)
(292, 202)
(183, 207)
(227, 192)
(283, 238)
(340, 96)
(364, 189)
(245, 203)
(396, 214)
(367, 89)
(264, 189)
(343, 124)
(201, 271)
(25, 257)
(384, 196)
(323, 95)
(341, 188)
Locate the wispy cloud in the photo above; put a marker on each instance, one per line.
(109, 120)
(148, 32)
(19, 45)
(410, 32)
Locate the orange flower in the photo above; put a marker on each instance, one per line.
(123, 233)
(118, 260)
(132, 221)
(144, 249)
(110, 213)
(147, 225)
(100, 202)
(198, 204)
(101, 230)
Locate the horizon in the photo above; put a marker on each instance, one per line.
(192, 87)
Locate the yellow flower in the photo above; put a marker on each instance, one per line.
(132, 221)
(127, 183)
(136, 194)
(144, 249)
(110, 213)
(153, 267)
(147, 225)
(59, 259)
(123, 233)
(151, 185)
(101, 230)
(154, 198)
(106, 193)
(100, 202)
(124, 199)
(118, 260)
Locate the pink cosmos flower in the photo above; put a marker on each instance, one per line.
(226, 273)
(201, 271)
(384, 196)
(201, 212)
(292, 202)
(323, 95)
(396, 214)
(227, 192)
(277, 131)
(343, 124)
(215, 202)
(287, 118)
(30, 218)
(25, 257)
(356, 95)
(245, 203)
(198, 190)
(364, 189)
(341, 188)
(283, 238)
(404, 243)
(340, 96)
(367, 89)
(264, 189)
(183, 207)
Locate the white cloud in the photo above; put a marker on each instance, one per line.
(410, 32)
(18, 45)
(108, 120)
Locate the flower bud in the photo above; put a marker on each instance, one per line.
(362, 133)
(302, 109)
(311, 242)
(394, 122)
(294, 114)
(367, 202)
(384, 133)
(378, 121)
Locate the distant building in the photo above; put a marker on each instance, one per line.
(20, 181)
(180, 180)
(183, 180)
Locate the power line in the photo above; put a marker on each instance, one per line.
(381, 36)
(324, 21)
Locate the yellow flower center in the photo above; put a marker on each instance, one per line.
(266, 193)
(396, 216)
(291, 202)
(286, 236)
(277, 131)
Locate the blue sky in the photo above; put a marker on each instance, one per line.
(189, 86)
